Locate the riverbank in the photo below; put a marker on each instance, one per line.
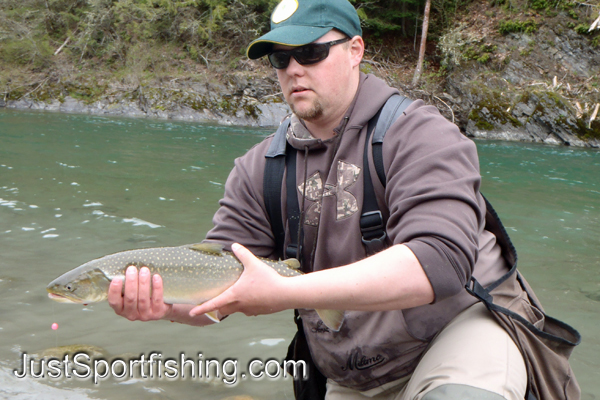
(243, 101)
(528, 72)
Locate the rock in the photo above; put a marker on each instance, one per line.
(272, 113)
(19, 104)
(536, 116)
(529, 89)
(71, 105)
(54, 105)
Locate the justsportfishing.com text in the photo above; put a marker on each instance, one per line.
(154, 366)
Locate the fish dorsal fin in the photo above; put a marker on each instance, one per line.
(211, 248)
(292, 263)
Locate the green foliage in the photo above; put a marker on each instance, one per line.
(388, 16)
(382, 18)
(506, 27)
(480, 53)
(539, 4)
(447, 11)
(484, 58)
(491, 110)
(582, 29)
(108, 29)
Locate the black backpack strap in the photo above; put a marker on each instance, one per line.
(371, 220)
(273, 177)
(391, 111)
(294, 248)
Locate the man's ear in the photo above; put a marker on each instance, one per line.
(357, 50)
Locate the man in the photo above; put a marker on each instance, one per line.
(411, 331)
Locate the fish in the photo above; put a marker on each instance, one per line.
(191, 274)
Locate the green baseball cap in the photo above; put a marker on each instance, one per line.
(299, 22)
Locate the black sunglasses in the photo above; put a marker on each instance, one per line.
(309, 54)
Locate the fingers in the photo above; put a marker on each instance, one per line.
(130, 299)
(215, 304)
(144, 306)
(115, 297)
(156, 300)
(227, 302)
(243, 254)
(138, 300)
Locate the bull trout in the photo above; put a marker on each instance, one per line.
(191, 274)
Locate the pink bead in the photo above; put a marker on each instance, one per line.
(54, 326)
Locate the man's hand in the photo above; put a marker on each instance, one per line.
(258, 290)
(142, 299)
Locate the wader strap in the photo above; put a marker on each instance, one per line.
(372, 225)
(509, 252)
(553, 334)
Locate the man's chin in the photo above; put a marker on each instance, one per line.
(311, 113)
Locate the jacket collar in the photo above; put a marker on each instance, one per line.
(370, 96)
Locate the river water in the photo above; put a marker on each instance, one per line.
(76, 187)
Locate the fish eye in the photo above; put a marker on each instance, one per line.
(69, 287)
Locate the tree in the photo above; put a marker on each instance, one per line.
(419, 69)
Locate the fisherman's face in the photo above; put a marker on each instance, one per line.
(323, 90)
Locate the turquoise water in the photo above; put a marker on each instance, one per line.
(76, 187)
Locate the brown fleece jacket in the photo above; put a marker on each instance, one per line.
(431, 203)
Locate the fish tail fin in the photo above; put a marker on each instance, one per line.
(333, 319)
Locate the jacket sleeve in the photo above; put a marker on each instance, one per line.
(432, 193)
(242, 217)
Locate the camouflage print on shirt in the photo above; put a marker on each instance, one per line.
(347, 175)
(314, 192)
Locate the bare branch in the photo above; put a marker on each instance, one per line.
(446, 106)
(63, 45)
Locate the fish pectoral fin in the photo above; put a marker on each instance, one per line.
(211, 248)
(213, 316)
(333, 319)
(292, 263)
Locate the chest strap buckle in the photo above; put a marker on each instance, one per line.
(373, 231)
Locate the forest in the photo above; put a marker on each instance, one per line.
(117, 32)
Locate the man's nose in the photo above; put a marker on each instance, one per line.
(294, 67)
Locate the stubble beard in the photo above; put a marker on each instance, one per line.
(314, 112)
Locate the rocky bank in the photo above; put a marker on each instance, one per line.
(237, 101)
(528, 77)
(537, 85)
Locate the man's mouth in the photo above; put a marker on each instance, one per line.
(298, 89)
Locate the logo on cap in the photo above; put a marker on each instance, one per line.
(284, 10)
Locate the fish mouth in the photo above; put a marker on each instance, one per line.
(60, 299)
